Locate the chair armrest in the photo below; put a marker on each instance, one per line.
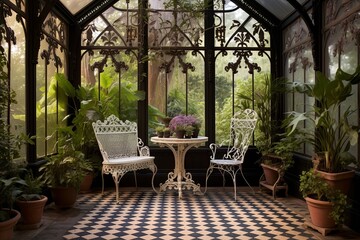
(103, 153)
(213, 147)
(143, 150)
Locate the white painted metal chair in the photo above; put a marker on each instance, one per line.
(122, 150)
(241, 130)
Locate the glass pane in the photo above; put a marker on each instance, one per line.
(52, 60)
(75, 6)
(180, 90)
(116, 26)
(109, 73)
(231, 84)
(20, 4)
(175, 28)
(280, 8)
(15, 53)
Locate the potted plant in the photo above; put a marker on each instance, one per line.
(179, 123)
(81, 132)
(167, 132)
(326, 205)
(9, 190)
(31, 203)
(196, 124)
(160, 131)
(279, 158)
(328, 129)
(179, 131)
(188, 131)
(276, 149)
(9, 182)
(64, 171)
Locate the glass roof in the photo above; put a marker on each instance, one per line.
(75, 6)
(279, 8)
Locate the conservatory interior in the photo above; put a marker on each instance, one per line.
(98, 89)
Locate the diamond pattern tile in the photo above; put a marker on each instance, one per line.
(147, 215)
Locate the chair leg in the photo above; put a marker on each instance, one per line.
(102, 182)
(116, 181)
(117, 178)
(233, 175)
(153, 168)
(223, 176)
(208, 173)
(135, 180)
(242, 174)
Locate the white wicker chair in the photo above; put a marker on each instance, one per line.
(241, 131)
(122, 150)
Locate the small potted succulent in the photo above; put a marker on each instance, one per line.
(167, 132)
(160, 131)
(196, 124)
(189, 131)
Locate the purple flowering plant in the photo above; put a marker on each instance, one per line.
(180, 122)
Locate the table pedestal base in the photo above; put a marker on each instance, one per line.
(179, 179)
(180, 183)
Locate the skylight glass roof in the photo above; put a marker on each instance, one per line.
(280, 8)
(75, 6)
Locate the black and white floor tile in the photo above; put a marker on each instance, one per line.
(215, 215)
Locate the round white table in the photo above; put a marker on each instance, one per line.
(179, 179)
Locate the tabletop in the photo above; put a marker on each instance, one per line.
(173, 140)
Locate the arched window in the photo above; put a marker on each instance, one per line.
(199, 60)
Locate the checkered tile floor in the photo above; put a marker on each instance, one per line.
(147, 215)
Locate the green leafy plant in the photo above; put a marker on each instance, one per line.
(159, 129)
(9, 144)
(189, 130)
(10, 183)
(10, 189)
(333, 133)
(68, 167)
(87, 108)
(32, 188)
(284, 148)
(276, 148)
(313, 186)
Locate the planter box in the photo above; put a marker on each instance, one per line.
(272, 179)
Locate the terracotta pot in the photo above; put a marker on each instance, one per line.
(7, 227)
(85, 185)
(341, 181)
(180, 133)
(320, 213)
(195, 133)
(31, 211)
(271, 174)
(64, 197)
(166, 134)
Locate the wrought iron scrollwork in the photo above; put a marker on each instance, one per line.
(54, 34)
